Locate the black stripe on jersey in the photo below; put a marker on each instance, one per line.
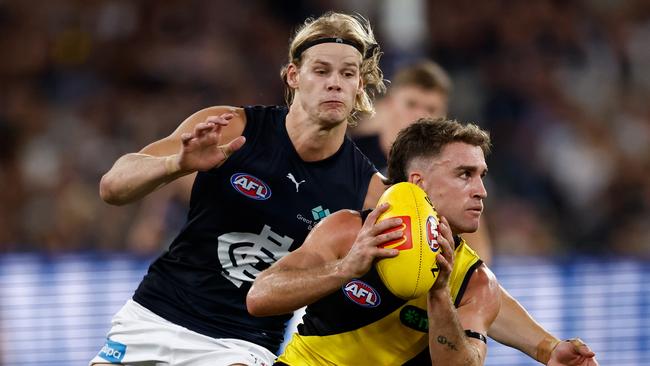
(457, 241)
(463, 286)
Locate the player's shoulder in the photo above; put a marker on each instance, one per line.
(202, 114)
(341, 222)
(237, 123)
(223, 109)
(483, 285)
(483, 275)
(342, 216)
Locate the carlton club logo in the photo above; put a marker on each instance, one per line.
(361, 294)
(244, 255)
(250, 186)
(432, 233)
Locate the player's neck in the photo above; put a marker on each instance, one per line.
(312, 139)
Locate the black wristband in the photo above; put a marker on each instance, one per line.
(477, 335)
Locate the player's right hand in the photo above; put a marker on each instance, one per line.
(201, 149)
(365, 248)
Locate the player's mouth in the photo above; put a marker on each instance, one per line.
(333, 103)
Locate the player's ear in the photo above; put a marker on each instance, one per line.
(292, 75)
(416, 178)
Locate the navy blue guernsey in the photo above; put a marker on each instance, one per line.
(244, 216)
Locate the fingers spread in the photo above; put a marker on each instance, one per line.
(221, 120)
(186, 137)
(213, 124)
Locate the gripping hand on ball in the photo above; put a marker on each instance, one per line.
(366, 248)
(445, 259)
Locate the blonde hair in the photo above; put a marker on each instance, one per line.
(355, 29)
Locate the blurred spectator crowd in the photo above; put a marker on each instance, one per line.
(563, 87)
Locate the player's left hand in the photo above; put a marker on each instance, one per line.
(572, 352)
(445, 259)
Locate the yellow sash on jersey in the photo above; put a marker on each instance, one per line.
(387, 341)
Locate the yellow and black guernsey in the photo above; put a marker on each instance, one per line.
(365, 324)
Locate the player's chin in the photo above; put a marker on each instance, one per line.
(335, 116)
(340, 108)
(470, 225)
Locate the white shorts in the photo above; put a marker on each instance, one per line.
(140, 337)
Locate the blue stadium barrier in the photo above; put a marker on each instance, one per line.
(57, 309)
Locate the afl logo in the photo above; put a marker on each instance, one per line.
(250, 186)
(361, 294)
(432, 233)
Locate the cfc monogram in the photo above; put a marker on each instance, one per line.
(244, 255)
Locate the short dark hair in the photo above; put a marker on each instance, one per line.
(426, 138)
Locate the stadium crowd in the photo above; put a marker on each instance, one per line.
(562, 87)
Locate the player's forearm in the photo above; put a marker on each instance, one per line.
(448, 343)
(282, 291)
(515, 327)
(133, 176)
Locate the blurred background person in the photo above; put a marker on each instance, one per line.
(563, 85)
(419, 89)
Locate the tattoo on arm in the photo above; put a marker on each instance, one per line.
(443, 340)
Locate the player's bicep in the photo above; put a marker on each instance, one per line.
(328, 241)
(480, 305)
(481, 301)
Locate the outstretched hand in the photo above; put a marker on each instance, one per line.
(572, 352)
(201, 149)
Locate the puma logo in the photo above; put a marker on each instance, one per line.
(293, 179)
